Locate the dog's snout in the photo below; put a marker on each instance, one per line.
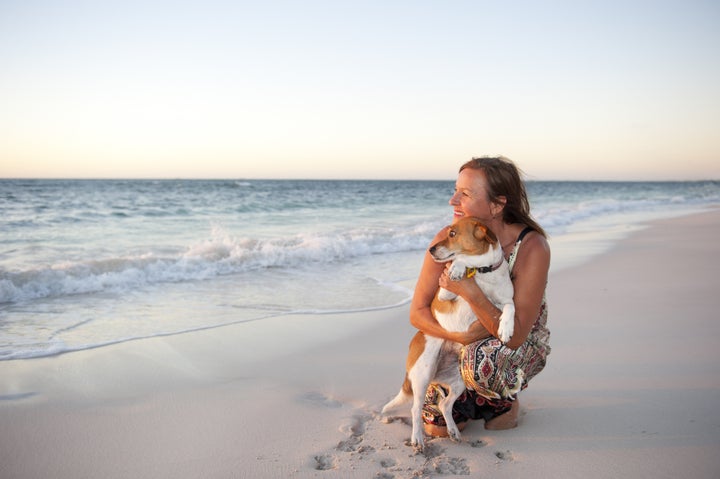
(432, 249)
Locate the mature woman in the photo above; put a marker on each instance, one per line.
(491, 189)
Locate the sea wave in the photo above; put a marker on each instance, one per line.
(220, 254)
(557, 206)
(556, 218)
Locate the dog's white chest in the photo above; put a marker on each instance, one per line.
(457, 320)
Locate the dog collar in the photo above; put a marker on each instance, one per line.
(470, 272)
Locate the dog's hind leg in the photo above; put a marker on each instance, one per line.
(449, 376)
(404, 396)
(416, 348)
(446, 404)
(420, 376)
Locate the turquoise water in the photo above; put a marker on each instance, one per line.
(85, 263)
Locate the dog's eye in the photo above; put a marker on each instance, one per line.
(452, 233)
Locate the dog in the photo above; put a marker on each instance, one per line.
(475, 252)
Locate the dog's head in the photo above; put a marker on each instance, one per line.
(467, 237)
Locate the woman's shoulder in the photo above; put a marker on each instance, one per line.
(535, 248)
(536, 238)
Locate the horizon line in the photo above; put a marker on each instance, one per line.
(149, 178)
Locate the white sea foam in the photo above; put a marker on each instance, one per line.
(219, 255)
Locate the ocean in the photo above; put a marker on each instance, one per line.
(89, 263)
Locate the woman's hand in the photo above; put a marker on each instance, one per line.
(462, 287)
(465, 288)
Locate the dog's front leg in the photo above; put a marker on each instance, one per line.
(507, 322)
(457, 269)
(455, 273)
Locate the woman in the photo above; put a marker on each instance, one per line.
(491, 189)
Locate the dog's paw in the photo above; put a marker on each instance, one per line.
(418, 446)
(506, 329)
(453, 433)
(507, 323)
(417, 441)
(457, 272)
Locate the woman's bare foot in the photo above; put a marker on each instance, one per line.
(506, 420)
(440, 431)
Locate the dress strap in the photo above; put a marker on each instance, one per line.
(522, 234)
(513, 255)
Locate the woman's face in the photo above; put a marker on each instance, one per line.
(470, 197)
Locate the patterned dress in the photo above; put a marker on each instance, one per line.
(494, 373)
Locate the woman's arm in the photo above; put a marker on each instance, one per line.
(530, 277)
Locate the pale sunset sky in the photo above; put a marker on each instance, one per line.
(568, 89)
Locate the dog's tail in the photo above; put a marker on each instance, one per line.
(404, 396)
(509, 392)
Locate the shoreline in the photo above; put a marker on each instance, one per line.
(630, 389)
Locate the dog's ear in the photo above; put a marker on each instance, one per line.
(482, 232)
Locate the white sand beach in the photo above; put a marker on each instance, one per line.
(631, 389)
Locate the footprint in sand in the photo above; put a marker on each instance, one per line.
(355, 429)
(504, 455)
(348, 445)
(430, 451)
(478, 443)
(324, 462)
(454, 466)
(316, 398)
(356, 425)
(363, 445)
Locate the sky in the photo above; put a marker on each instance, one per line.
(568, 89)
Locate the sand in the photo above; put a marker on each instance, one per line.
(632, 389)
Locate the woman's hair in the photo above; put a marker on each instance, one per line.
(503, 180)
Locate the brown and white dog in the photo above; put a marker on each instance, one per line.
(474, 251)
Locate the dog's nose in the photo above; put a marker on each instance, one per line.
(432, 249)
